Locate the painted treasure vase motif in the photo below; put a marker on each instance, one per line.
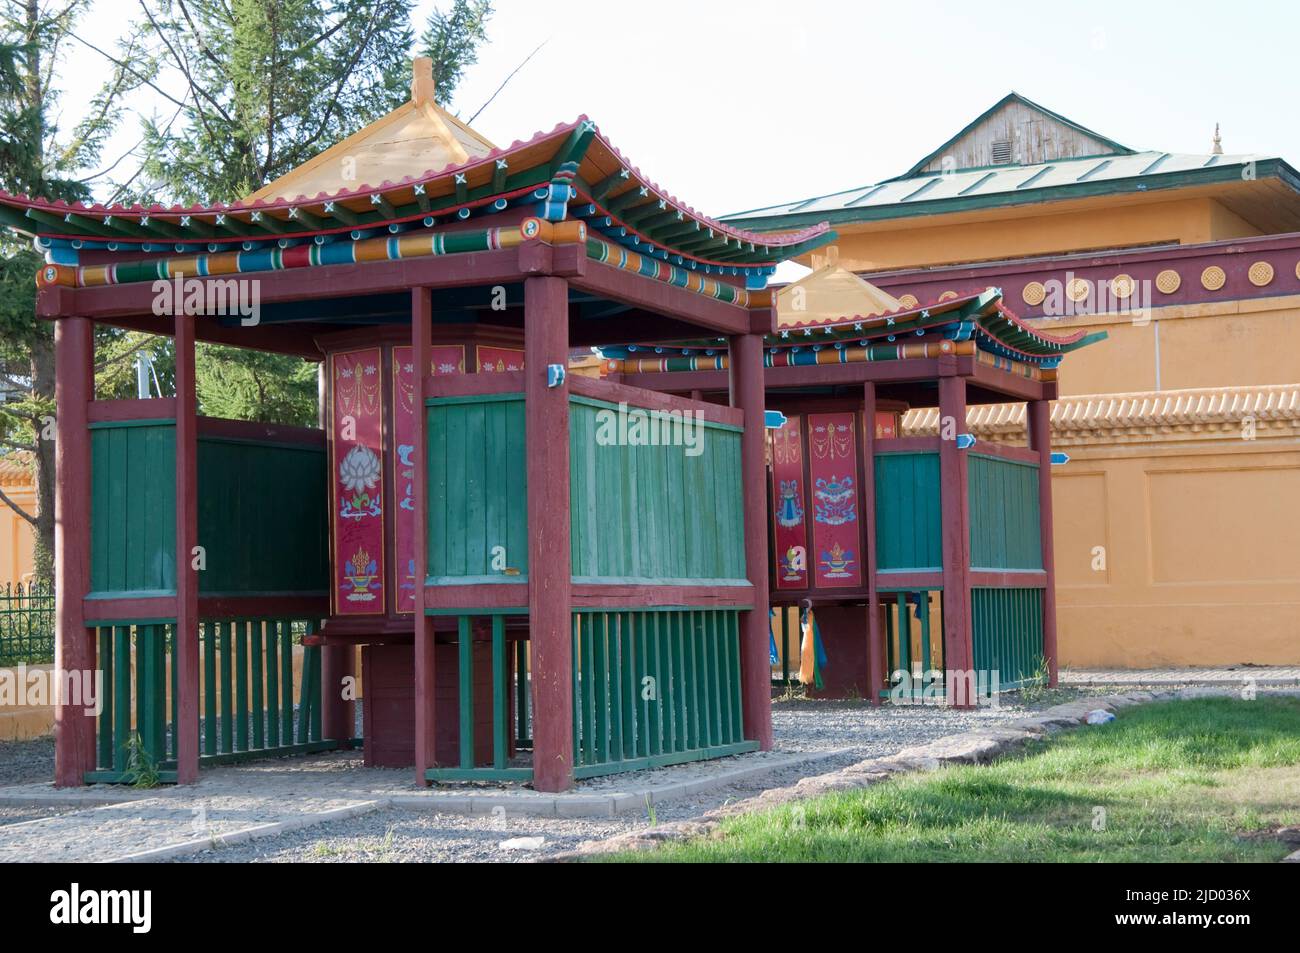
(360, 577)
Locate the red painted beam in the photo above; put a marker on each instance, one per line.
(755, 666)
(425, 680)
(497, 595)
(616, 393)
(617, 596)
(74, 651)
(661, 298)
(1005, 452)
(186, 656)
(111, 411)
(1039, 418)
(954, 508)
(251, 430)
(546, 341)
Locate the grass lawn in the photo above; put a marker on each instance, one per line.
(1204, 780)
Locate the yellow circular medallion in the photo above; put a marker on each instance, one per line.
(1212, 278)
(1033, 293)
(1168, 281)
(1260, 274)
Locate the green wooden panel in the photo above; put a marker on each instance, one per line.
(133, 508)
(478, 490)
(1007, 633)
(653, 514)
(908, 534)
(263, 517)
(1004, 519)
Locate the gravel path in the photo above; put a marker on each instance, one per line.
(823, 736)
(852, 730)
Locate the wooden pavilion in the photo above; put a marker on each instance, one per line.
(533, 602)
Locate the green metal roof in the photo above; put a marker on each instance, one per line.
(1008, 185)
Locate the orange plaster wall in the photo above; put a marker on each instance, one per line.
(17, 538)
(1199, 563)
(1032, 230)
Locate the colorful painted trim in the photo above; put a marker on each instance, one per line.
(626, 260)
(390, 248)
(798, 357)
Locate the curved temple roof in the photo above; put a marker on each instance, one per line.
(434, 169)
(981, 319)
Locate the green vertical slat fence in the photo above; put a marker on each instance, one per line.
(655, 687)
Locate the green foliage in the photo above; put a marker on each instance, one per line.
(141, 766)
(251, 385)
(271, 84)
(1202, 780)
(452, 40)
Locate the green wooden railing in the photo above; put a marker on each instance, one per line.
(1008, 634)
(248, 689)
(912, 644)
(657, 687)
(505, 681)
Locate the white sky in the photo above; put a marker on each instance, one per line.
(732, 105)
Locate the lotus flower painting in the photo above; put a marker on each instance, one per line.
(359, 473)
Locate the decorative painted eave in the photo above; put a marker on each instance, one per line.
(1270, 409)
(981, 318)
(570, 171)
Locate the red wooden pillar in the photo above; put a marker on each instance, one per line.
(186, 656)
(875, 637)
(74, 651)
(550, 571)
(755, 661)
(954, 508)
(338, 714)
(425, 650)
(1039, 415)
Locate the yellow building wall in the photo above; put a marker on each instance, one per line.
(1179, 554)
(1050, 229)
(17, 538)
(1219, 344)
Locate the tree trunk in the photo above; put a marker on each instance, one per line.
(43, 389)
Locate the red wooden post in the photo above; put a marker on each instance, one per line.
(74, 652)
(954, 507)
(755, 661)
(550, 571)
(1039, 414)
(338, 715)
(875, 637)
(425, 650)
(186, 655)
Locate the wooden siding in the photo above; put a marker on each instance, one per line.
(1034, 136)
(133, 508)
(907, 512)
(478, 491)
(654, 515)
(263, 517)
(1004, 530)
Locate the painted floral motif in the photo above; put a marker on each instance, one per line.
(359, 473)
(835, 503)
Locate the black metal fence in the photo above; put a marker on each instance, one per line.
(26, 624)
